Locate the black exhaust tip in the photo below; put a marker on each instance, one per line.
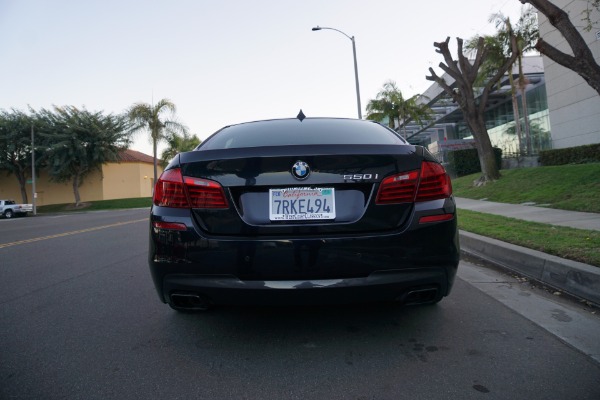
(189, 302)
(429, 295)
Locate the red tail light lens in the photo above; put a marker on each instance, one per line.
(205, 194)
(177, 191)
(398, 188)
(430, 183)
(435, 182)
(169, 191)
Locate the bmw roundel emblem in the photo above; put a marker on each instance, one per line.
(300, 170)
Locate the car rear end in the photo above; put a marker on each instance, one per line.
(303, 212)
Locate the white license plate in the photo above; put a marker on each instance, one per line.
(299, 204)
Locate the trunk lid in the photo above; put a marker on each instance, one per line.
(354, 172)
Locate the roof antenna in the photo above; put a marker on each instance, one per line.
(301, 116)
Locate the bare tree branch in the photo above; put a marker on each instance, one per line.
(582, 61)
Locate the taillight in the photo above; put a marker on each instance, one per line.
(398, 188)
(176, 191)
(435, 182)
(169, 191)
(430, 183)
(205, 194)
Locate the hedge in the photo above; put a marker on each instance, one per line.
(572, 155)
(466, 162)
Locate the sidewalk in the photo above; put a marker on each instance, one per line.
(573, 277)
(573, 219)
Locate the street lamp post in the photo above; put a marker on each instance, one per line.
(318, 28)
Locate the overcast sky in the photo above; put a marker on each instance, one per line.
(224, 62)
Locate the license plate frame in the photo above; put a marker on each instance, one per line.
(302, 204)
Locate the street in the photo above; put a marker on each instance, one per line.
(80, 319)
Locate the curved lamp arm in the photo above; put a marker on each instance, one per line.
(318, 28)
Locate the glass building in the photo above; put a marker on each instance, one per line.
(448, 127)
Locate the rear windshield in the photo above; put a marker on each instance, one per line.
(292, 132)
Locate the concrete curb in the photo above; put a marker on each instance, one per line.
(578, 279)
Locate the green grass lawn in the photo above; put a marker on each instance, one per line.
(98, 205)
(567, 187)
(574, 244)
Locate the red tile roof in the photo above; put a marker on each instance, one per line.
(135, 156)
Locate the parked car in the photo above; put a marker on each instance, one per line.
(9, 209)
(303, 211)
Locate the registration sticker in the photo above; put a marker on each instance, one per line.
(299, 204)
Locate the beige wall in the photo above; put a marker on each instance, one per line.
(50, 192)
(128, 180)
(116, 181)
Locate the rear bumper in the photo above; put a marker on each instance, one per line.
(379, 286)
(323, 270)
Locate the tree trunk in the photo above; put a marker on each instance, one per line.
(489, 169)
(154, 150)
(474, 115)
(76, 179)
(21, 175)
(526, 121)
(517, 117)
(522, 87)
(22, 184)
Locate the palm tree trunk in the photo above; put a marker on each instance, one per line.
(526, 121)
(522, 86)
(154, 149)
(517, 117)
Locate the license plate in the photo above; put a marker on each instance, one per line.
(299, 204)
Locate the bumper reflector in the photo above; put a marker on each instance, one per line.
(435, 218)
(173, 226)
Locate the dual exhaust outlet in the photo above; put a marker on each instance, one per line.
(199, 302)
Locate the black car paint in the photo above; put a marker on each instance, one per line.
(377, 254)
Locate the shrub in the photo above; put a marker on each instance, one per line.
(573, 155)
(466, 162)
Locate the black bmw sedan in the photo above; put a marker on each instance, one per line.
(303, 211)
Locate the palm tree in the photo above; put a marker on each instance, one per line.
(526, 32)
(390, 104)
(385, 105)
(159, 120)
(177, 144)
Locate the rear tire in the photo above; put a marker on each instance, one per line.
(8, 214)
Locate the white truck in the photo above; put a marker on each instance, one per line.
(9, 209)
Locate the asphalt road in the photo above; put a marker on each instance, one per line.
(80, 319)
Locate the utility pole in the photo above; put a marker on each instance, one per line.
(33, 192)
